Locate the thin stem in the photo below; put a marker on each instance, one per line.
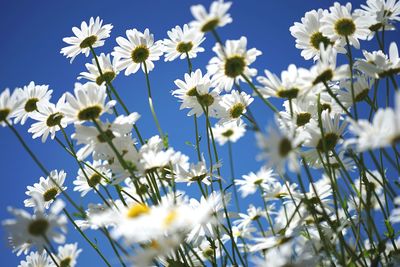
(235, 193)
(153, 112)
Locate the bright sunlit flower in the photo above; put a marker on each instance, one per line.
(288, 87)
(340, 24)
(383, 131)
(309, 36)
(194, 93)
(255, 181)
(8, 105)
(387, 12)
(324, 71)
(378, 65)
(36, 259)
(233, 106)
(89, 35)
(108, 69)
(27, 230)
(91, 177)
(229, 132)
(209, 21)
(88, 103)
(28, 99)
(68, 254)
(49, 119)
(139, 50)
(232, 61)
(48, 188)
(182, 42)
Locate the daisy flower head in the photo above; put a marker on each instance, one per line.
(281, 146)
(27, 231)
(289, 86)
(36, 259)
(298, 113)
(332, 136)
(229, 132)
(324, 71)
(28, 98)
(194, 93)
(88, 103)
(383, 131)
(209, 21)
(232, 61)
(340, 24)
(309, 36)
(68, 254)
(387, 12)
(233, 105)
(108, 69)
(361, 87)
(119, 132)
(139, 50)
(48, 119)
(182, 42)
(91, 177)
(378, 65)
(253, 181)
(48, 188)
(90, 35)
(8, 105)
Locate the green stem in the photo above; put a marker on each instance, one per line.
(153, 112)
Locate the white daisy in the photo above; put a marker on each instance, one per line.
(253, 181)
(88, 103)
(217, 17)
(48, 188)
(194, 93)
(309, 36)
(49, 118)
(387, 12)
(28, 230)
(383, 131)
(36, 259)
(68, 254)
(93, 178)
(378, 65)
(361, 88)
(28, 99)
(212, 204)
(182, 42)
(89, 35)
(298, 113)
(8, 105)
(324, 71)
(233, 106)
(192, 173)
(288, 87)
(281, 146)
(340, 24)
(119, 132)
(232, 61)
(230, 131)
(107, 67)
(137, 51)
(252, 215)
(333, 134)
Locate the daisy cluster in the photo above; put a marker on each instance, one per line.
(328, 185)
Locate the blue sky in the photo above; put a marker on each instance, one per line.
(32, 33)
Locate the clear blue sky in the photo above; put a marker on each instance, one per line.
(32, 33)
